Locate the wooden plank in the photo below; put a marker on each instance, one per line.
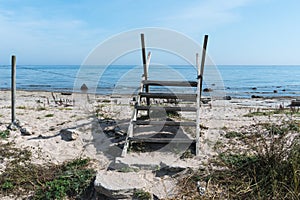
(171, 83)
(13, 89)
(144, 56)
(166, 108)
(191, 97)
(166, 123)
(203, 62)
(161, 140)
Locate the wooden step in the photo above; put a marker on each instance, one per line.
(165, 123)
(190, 97)
(166, 108)
(171, 83)
(161, 140)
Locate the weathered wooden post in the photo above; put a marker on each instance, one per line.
(144, 57)
(200, 70)
(203, 61)
(145, 75)
(13, 89)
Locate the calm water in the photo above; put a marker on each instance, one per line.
(237, 81)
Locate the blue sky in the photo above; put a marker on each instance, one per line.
(64, 32)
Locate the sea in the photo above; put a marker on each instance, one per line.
(238, 81)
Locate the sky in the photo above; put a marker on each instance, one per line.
(241, 32)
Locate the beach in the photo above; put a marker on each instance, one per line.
(98, 125)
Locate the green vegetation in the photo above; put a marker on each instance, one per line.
(4, 134)
(49, 115)
(173, 114)
(142, 195)
(283, 128)
(50, 181)
(21, 107)
(269, 168)
(233, 134)
(272, 112)
(71, 180)
(41, 108)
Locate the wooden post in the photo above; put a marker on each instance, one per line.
(199, 91)
(202, 62)
(144, 57)
(13, 89)
(145, 75)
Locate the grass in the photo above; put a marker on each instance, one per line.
(142, 195)
(283, 128)
(269, 169)
(50, 181)
(272, 112)
(41, 108)
(233, 134)
(4, 134)
(21, 107)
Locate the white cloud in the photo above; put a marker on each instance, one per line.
(205, 14)
(56, 39)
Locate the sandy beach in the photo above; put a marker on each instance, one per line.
(100, 124)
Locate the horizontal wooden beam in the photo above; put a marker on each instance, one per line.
(191, 97)
(161, 140)
(166, 108)
(164, 123)
(171, 83)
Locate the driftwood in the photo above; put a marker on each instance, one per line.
(62, 101)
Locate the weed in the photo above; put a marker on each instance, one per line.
(173, 114)
(236, 160)
(218, 145)
(51, 181)
(271, 112)
(233, 134)
(128, 169)
(282, 129)
(269, 170)
(21, 107)
(142, 195)
(41, 108)
(4, 134)
(49, 115)
(106, 101)
(71, 180)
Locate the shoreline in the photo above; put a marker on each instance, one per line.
(70, 92)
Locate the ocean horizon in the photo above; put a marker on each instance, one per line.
(238, 81)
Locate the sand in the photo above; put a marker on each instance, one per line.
(37, 112)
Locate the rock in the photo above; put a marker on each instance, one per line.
(109, 128)
(84, 88)
(275, 91)
(255, 96)
(69, 134)
(254, 88)
(207, 90)
(26, 131)
(227, 98)
(118, 185)
(12, 127)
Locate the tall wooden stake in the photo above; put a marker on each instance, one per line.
(144, 56)
(13, 89)
(199, 91)
(202, 62)
(145, 76)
